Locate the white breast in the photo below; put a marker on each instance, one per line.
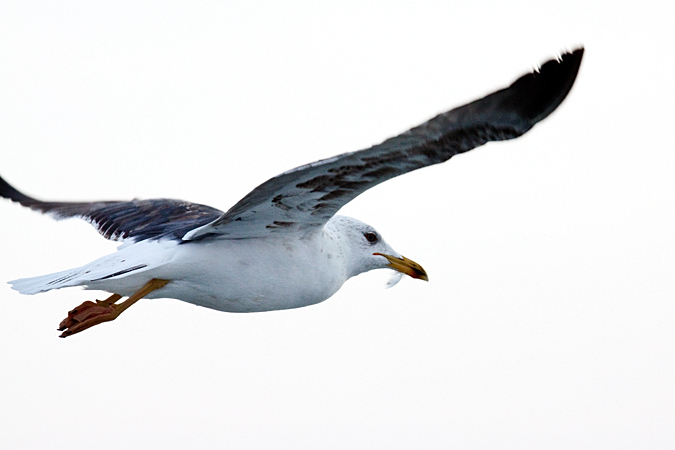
(246, 275)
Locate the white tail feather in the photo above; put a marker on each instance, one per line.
(135, 258)
(44, 283)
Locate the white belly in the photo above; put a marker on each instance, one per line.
(242, 275)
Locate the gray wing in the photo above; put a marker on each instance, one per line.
(305, 198)
(136, 220)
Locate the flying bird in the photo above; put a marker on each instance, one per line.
(282, 246)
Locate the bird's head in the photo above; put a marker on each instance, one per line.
(368, 250)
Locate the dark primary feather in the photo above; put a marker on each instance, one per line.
(307, 197)
(120, 220)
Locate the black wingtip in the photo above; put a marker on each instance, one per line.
(9, 192)
(538, 94)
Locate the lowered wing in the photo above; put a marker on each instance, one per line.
(135, 220)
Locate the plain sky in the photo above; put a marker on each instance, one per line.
(549, 318)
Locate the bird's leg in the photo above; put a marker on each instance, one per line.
(89, 313)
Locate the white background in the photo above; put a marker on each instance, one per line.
(549, 318)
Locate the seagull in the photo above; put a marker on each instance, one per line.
(282, 246)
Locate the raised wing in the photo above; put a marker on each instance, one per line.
(305, 198)
(136, 219)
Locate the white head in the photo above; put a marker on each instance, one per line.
(365, 249)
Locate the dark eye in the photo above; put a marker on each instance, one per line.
(371, 237)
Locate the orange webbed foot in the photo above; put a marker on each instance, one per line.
(89, 314)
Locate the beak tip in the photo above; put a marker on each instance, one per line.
(406, 266)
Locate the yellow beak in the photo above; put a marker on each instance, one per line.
(406, 266)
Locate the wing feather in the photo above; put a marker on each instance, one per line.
(121, 220)
(305, 198)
